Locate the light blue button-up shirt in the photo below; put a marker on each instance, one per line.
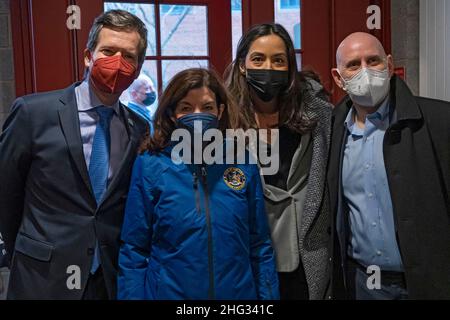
(141, 110)
(86, 103)
(366, 193)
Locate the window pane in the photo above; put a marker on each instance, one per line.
(172, 67)
(173, 9)
(146, 12)
(184, 32)
(236, 23)
(149, 72)
(287, 13)
(289, 4)
(236, 5)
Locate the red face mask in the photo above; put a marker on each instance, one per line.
(112, 74)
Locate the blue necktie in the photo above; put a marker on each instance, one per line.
(99, 164)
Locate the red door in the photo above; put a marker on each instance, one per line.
(43, 46)
(327, 22)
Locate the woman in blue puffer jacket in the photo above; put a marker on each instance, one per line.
(194, 231)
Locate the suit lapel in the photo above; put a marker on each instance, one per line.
(338, 210)
(337, 140)
(70, 124)
(341, 213)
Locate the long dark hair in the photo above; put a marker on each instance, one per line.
(177, 89)
(292, 113)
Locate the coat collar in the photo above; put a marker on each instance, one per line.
(404, 101)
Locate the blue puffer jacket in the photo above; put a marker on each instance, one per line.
(195, 233)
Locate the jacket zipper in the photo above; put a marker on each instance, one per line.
(211, 291)
(197, 193)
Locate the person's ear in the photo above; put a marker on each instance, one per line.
(242, 69)
(87, 57)
(337, 78)
(221, 109)
(174, 120)
(391, 67)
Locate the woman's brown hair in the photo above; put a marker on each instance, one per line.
(292, 110)
(177, 89)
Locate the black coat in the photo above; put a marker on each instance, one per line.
(417, 160)
(49, 217)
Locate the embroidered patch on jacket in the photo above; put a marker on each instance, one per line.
(234, 178)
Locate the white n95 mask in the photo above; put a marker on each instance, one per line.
(369, 87)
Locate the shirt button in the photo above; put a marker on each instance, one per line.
(379, 253)
(370, 195)
(374, 224)
(367, 166)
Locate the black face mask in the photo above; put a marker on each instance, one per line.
(267, 83)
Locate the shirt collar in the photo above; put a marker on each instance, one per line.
(379, 117)
(382, 112)
(351, 125)
(89, 100)
(137, 104)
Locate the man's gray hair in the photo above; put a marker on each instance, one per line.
(139, 82)
(122, 21)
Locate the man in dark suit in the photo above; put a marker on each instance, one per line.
(65, 164)
(389, 182)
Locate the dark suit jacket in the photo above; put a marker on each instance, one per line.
(48, 214)
(417, 160)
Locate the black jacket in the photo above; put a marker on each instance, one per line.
(49, 218)
(417, 160)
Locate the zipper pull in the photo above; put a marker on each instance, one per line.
(204, 173)
(197, 193)
(194, 175)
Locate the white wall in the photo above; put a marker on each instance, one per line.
(405, 39)
(435, 49)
